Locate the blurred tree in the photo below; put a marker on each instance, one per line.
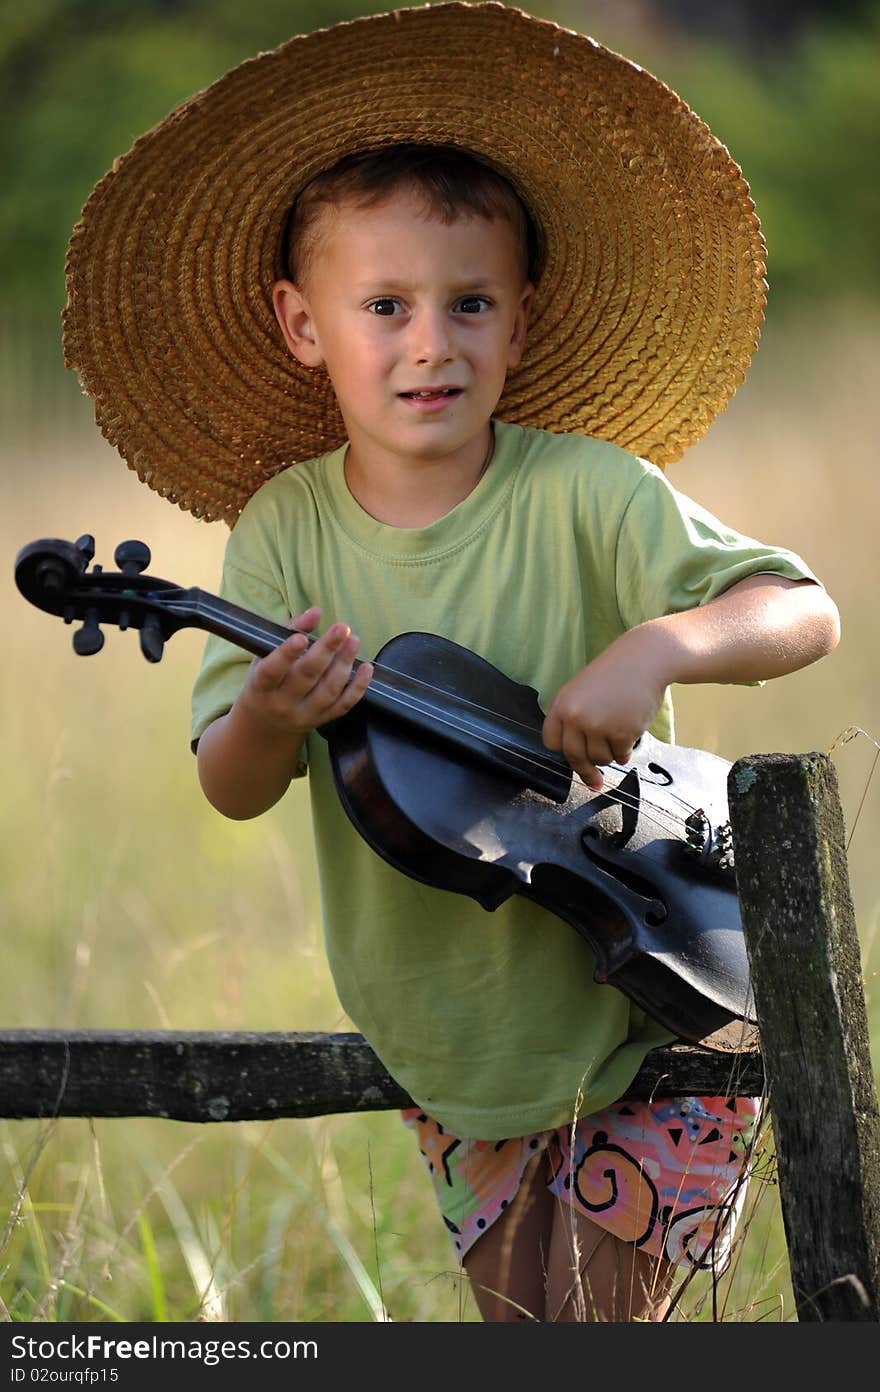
(755, 24)
(804, 129)
(81, 79)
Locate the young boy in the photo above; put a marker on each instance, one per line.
(406, 276)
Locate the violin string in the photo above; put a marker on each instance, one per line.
(420, 704)
(542, 763)
(538, 761)
(510, 722)
(545, 764)
(612, 794)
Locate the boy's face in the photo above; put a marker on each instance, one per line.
(417, 322)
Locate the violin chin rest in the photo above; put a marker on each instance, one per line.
(736, 1037)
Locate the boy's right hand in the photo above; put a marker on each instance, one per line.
(304, 684)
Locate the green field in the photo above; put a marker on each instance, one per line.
(128, 902)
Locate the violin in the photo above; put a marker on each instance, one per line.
(441, 768)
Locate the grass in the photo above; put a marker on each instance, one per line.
(129, 903)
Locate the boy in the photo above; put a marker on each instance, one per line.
(413, 267)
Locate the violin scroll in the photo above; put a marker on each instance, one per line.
(44, 571)
(55, 576)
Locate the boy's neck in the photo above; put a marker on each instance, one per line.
(406, 492)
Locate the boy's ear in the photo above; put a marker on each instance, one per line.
(520, 324)
(295, 319)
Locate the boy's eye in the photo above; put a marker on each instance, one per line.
(473, 304)
(384, 306)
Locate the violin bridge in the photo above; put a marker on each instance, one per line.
(628, 794)
(625, 795)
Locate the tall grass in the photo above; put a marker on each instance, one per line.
(128, 902)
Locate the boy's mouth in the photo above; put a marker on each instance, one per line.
(431, 394)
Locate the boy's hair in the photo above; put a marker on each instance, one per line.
(451, 181)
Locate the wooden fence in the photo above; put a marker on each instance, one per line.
(803, 947)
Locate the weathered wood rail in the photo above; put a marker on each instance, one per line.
(214, 1076)
(815, 1064)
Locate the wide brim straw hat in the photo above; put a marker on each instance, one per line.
(651, 291)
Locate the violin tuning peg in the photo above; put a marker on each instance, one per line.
(86, 544)
(132, 557)
(152, 639)
(89, 639)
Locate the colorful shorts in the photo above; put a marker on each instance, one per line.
(668, 1175)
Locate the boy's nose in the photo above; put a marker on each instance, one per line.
(431, 337)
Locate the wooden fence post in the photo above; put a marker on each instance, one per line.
(803, 949)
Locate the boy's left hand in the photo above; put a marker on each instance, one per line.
(763, 626)
(598, 715)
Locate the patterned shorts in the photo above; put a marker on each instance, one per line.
(669, 1175)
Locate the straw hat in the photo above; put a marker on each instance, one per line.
(652, 287)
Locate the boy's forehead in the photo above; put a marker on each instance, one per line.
(404, 218)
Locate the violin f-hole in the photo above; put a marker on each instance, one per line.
(664, 776)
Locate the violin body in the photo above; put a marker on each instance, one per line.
(441, 767)
(663, 926)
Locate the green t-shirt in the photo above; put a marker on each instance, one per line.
(491, 1021)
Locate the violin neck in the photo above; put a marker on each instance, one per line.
(200, 609)
(401, 697)
(390, 691)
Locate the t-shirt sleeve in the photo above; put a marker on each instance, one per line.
(672, 555)
(247, 580)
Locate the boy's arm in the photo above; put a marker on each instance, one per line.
(247, 757)
(763, 626)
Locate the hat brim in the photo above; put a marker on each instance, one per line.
(652, 288)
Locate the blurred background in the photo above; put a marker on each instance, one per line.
(127, 902)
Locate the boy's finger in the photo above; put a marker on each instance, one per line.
(552, 731)
(335, 694)
(335, 673)
(574, 747)
(315, 678)
(271, 670)
(583, 757)
(588, 769)
(309, 657)
(312, 665)
(621, 750)
(307, 620)
(351, 693)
